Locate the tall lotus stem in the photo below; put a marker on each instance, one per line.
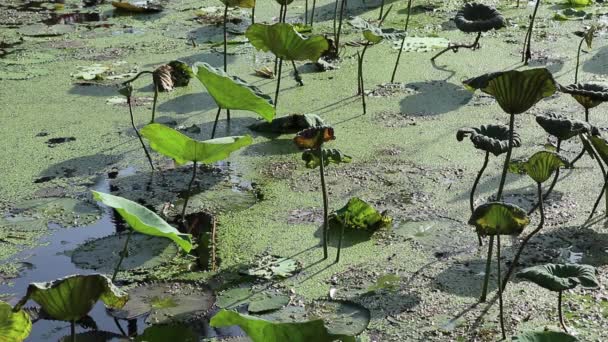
(188, 193)
(155, 101)
(559, 311)
(276, 94)
(335, 18)
(217, 117)
(342, 7)
(527, 238)
(137, 132)
(325, 205)
(484, 289)
(312, 13)
(527, 54)
(362, 87)
(123, 254)
(253, 15)
(306, 12)
(578, 59)
(226, 50)
(381, 10)
(502, 318)
(472, 195)
(407, 21)
(73, 330)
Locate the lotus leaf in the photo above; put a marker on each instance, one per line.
(515, 91)
(288, 124)
(341, 317)
(560, 277)
(71, 298)
(231, 92)
(15, 326)
(544, 336)
(475, 17)
(589, 94)
(540, 166)
(489, 138)
(181, 148)
(143, 220)
(330, 156)
(561, 127)
(260, 330)
(499, 218)
(601, 146)
(358, 214)
(284, 42)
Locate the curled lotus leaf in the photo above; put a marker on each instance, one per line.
(358, 214)
(489, 138)
(516, 91)
(169, 76)
(71, 298)
(314, 137)
(562, 127)
(544, 336)
(475, 17)
(589, 95)
(540, 166)
(239, 3)
(285, 42)
(330, 156)
(14, 325)
(560, 277)
(499, 218)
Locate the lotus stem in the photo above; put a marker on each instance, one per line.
(550, 189)
(362, 90)
(154, 103)
(137, 132)
(217, 117)
(335, 17)
(385, 15)
(604, 188)
(123, 254)
(188, 193)
(407, 21)
(505, 167)
(455, 48)
(325, 203)
(137, 76)
(296, 74)
(276, 94)
(253, 15)
(306, 12)
(559, 311)
(500, 302)
(486, 279)
(340, 244)
(213, 245)
(342, 8)
(472, 196)
(359, 90)
(122, 331)
(528, 47)
(73, 330)
(381, 10)
(225, 39)
(578, 59)
(312, 13)
(527, 238)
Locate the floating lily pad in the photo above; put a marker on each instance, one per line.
(421, 44)
(256, 302)
(272, 266)
(144, 252)
(341, 317)
(264, 302)
(42, 30)
(232, 298)
(572, 14)
(91, 72)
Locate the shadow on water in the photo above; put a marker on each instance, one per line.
(425, 101)
(186, 104)
(81, 166)
(272, 147)
(598, 64)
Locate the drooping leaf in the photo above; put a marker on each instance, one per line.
(358, 214)
(477, 17)
(589, 36)
(168, 332)
(260, 330)
(540, 166)
(173, 144)
(143, 220)
(560, 277)
(330, 156)
(239, 3)
(515, 91)
(314, 137)
(171, 75)
(231, 92)
(288, 124)
(341, 317)
(14, 326)
(71, 298)
(561, 127)
(499, 218)
(544, 336)
(284, 42)
(489, 138)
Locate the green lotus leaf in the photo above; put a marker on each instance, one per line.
(580, 2)
(239, 3)
(330, 156)
(499, 218)
(373, 35)
(515, 91)
(284, 42)
(561, 127)
(600, 144)
(589, 94)
(71, 298)
(230, 92)
(560, 277)
(544, 336)
(143, 220)
(572, 14)
(489, 138)
(540, 166)
(358, 214)
(261, 330)
(173, 144)
(15, 326)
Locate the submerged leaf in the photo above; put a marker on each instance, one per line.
(489, 138)
(173, 144)
(143, 220)
(231, 92)
(15, 326)
(540, 166)
(544, 336)
(330, 156)
(499, 218)
(561, 127)
(284, 42)
(560, 277)
(71, 298)
(260, 330)
(357, 214)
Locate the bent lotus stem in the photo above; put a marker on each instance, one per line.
(580, 155)
(553, 182)
(500, 303)
(342, 8)
(123, 254)
(143, 145)
(454, 48)
(407, 21)
(296, 74)
(217, 117)
(188, 193)
(578, 59)
(472, 195)
(527, 54)
(559, 311)
(523, 244)
(325, 205)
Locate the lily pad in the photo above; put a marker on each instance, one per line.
(259, 302)
(264, 302)
(421, 44)
(272, 266)
(144, 252)
(572, 14)
(341, 317)
(233, 298)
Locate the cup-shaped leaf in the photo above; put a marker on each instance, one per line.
(358, 214)
(143, 220)
(71, 298)
(544, 336)
(239, 3)
(171, 143)
(475, 17)
(561, 127)
(499, 218)
(314, 137)
(330, 156)
(515, 91)
(284, 42)
(589, 94)
(540, 166)
(14, 325)
(560, 277)
(261, 330)
(489, 138)
(231, 92)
